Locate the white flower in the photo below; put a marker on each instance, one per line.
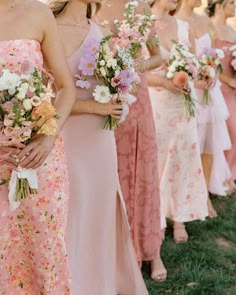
(234, 53)
(102, 94)
(112, 63)
(116, 22)
(172, 68)
(24, 86)
(212, 72)
(117, 73)
(32, 89)
(21, 94)
(35, 101)
(169, 75)
(103, 72)
(102, 63)
(9, 80)
(220, 53)
(153, 17)
(27, 104)
(12, 91)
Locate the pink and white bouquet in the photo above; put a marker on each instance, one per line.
(233, 62)
(25, 111)
(133, 32)
(182, 67)
(116, 72)
(210, 65)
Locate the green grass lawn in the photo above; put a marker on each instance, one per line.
(206, 265)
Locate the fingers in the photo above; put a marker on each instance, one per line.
(28, 159)
(9, 164)
(26, 151)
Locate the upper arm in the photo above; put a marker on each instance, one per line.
(54, 58)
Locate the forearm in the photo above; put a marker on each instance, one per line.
(227, 79)
(154, 62)
(155, 80)
(83, 107)
(64, 109)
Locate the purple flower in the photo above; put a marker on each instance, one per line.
(83, 84)
(127, 76)
(87, 65)
(91, 46)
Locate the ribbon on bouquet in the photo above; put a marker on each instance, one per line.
(128, 99)
(30, 175)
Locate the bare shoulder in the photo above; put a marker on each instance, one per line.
(39, 11)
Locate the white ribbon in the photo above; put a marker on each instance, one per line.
(30, 175)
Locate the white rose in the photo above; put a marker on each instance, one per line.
(153, 17)
(12, 91)
(169, 75)
(27, 104)
(32, 89)
(117, 72)
(172, 68)
(24, 86)
(21, 94)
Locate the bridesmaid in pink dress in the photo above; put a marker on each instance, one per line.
(137, 161)
(32, 238)
(182, 184)
(101, 255)
(226, 38)
(212, 129)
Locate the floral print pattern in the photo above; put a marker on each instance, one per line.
(33, 257)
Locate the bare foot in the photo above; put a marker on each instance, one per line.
(230, 187)
(158, 270)
(180, 233)
(211, 211)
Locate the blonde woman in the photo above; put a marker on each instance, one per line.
(32, 243)
(100, 250)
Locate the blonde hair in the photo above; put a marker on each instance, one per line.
(58, 6)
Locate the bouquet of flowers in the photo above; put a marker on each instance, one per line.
(25, 110)
(182, 67)
(134, 30)
(210, 65)
(114, 69)
(233, 62)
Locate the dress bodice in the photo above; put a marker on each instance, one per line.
(183, 38)
(225, 46)
(203, 43)
(94, 32)
(21, 56)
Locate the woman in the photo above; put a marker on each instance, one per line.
(220, 12)
(32, 244)
(212, 129)
(182, 185)
(137, 161)
(101, 255)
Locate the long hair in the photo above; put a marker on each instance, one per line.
(211, 6)
(58, 6)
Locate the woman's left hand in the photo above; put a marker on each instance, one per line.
(36, 152)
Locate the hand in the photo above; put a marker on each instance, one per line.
(113, 108)
(9, 155)
(232, 82)
(36, 152)
(169, 85)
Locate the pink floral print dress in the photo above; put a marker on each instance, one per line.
(33, 259)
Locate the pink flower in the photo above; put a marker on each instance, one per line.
(115, 81)
(87, 65)
(180, 79)
(91, 46)
(7, 106)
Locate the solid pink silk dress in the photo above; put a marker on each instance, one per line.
(230, 99)
(182, 184)
(101, 254)
(32, 238)
(212, 129)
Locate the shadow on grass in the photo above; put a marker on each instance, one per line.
(206, 264)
